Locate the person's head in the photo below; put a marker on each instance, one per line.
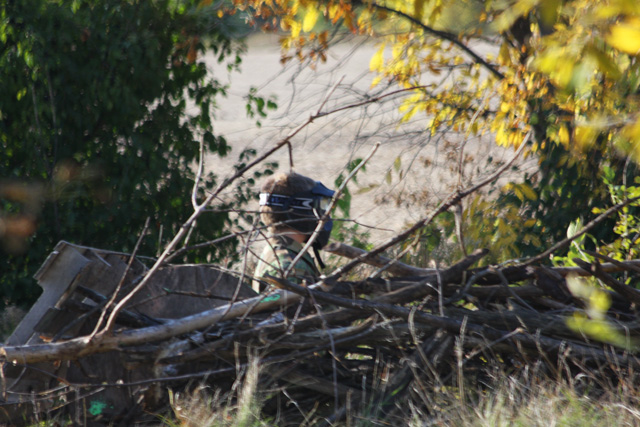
(295, 202)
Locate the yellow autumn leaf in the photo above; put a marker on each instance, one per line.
(411, 111)
(626, 37)
(615, 8)
(585, 136)
(562, 160)
(310, 19)
(502, 138)
(563, 135)
(528, 191)
(295, 29)
(557, 64)
(564, 71)
(518, 192)
(418, 9)
(333, 12)
(377, 61)
(631, 134)
(473, 129)
(504, 56)
(508, 187)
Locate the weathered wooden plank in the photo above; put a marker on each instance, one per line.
(183, 290)
(55, 277)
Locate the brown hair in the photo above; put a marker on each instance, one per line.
(286, 184)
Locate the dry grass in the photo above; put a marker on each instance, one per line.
(525, 398)
(514, 402)
(205, 407)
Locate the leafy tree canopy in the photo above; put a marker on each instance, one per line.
(563, 72)
(103, 106)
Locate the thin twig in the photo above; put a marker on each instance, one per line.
(114, 295)
(195, 295)
(325, 217)
(444, 206)
(505, 284)
(196, 181)
(440, 290)
(374, 99)
(194, 216)
(622, 265)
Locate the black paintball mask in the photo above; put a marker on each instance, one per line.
(303, 211)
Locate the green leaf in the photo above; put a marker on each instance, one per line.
(397, 163)
(573, 228)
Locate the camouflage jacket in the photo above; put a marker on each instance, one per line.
(276, 258)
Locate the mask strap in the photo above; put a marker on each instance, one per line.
(316, 253)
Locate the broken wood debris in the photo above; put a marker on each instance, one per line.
(323, 342)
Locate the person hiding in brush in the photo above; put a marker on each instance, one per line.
(291, 206)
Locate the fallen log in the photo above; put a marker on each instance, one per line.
(100, 343)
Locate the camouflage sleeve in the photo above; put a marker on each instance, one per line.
(275, 263)
(299, 271)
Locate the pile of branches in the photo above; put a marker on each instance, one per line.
(336, 343)
(438, 325)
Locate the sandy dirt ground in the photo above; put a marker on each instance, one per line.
(409, 173)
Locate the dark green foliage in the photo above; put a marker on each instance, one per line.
(103, 105)
(569, 186)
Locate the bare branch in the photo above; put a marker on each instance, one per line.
(393, 266)
(566, 242)
(445, 205)
(116, 291)
(325, 217)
